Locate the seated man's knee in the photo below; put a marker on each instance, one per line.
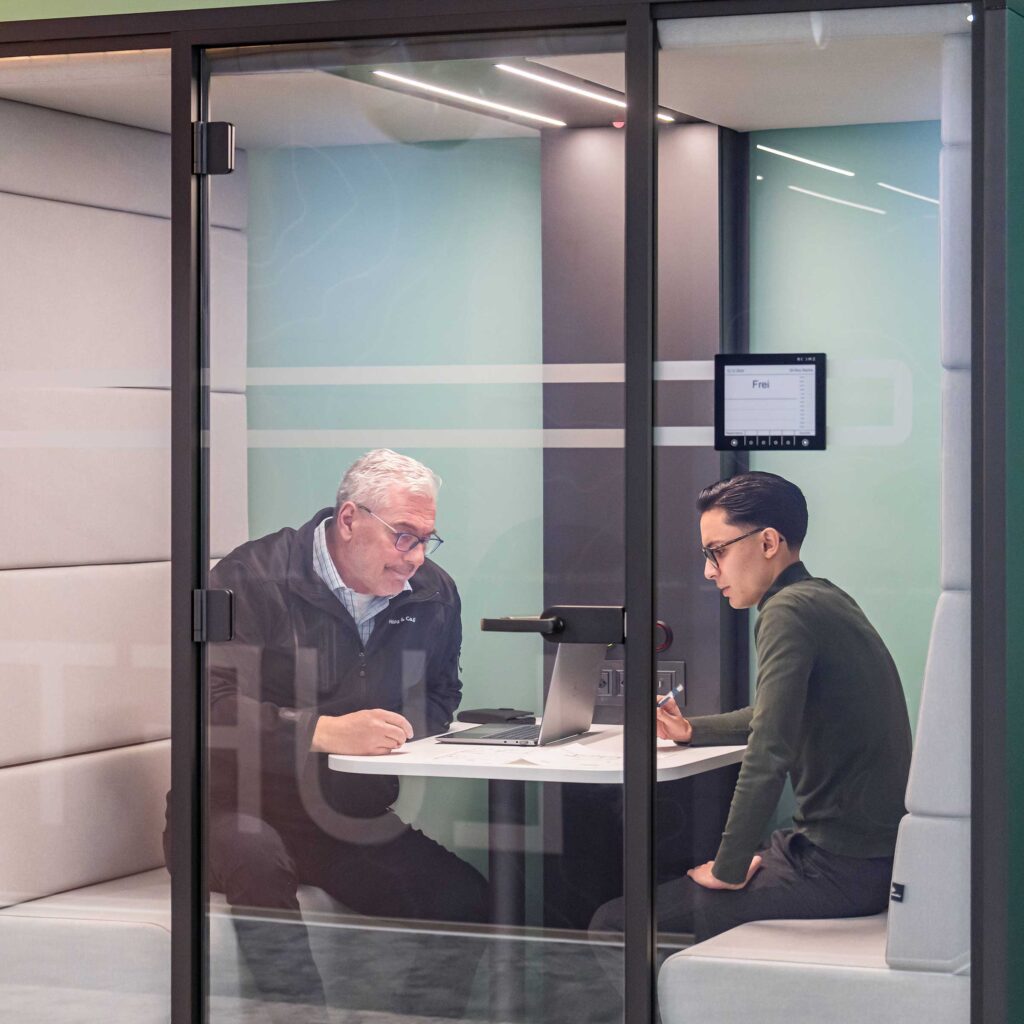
(609, 917)
(250, 863)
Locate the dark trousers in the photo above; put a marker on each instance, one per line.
(796, 880)
(258, 866)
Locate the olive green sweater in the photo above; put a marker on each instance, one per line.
(829, 712)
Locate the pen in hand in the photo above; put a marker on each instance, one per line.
(669, 696)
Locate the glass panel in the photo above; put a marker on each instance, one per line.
(85, 545)
(420, 251)
(832, 166)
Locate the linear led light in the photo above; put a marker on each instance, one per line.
(465, 98)
(904, 192)
(833, 199)
(804, 160)
(612, 101)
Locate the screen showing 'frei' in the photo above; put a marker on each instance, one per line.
(773, 403)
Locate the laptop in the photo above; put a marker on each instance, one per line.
(568, 710)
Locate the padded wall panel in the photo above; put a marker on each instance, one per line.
(955, 481)
(84, 659)
(955, 255)
(86, 295)
(78, 820)
(229, 474)
(75, 159)
(229, 294)
(931, 929)
(88, 476)
(940, 772)
(956, 89)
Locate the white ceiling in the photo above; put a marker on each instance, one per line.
(800, 74)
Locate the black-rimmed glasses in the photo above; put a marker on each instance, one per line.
(406, 542)
(711, 554)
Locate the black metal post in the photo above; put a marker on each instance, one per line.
(639, 766)
(990, 840)
(188, 562)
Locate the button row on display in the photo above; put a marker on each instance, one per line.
(769, 441)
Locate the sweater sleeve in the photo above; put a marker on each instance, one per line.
(785, 654)
(728, 729)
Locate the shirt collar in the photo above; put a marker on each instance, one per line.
(791, 574)
(324, 565)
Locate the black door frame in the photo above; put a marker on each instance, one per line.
(187, 34)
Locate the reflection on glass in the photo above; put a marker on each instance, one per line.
(85, 548)
(842, 227)
(416, 277)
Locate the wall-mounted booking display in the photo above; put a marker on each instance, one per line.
(770, 401)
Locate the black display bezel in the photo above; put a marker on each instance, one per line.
(810, 443)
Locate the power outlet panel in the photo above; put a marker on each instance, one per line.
(611, 689)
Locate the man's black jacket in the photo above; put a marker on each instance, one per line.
(296, 655)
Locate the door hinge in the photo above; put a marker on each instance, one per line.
(212, 616)
(213, 147)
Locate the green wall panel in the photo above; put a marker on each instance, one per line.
(864, 288)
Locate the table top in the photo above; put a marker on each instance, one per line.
(595, 757)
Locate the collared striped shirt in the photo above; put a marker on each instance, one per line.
(362, 607)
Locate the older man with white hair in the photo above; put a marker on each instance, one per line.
(347, 640)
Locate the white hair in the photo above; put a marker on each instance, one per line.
(371, 478)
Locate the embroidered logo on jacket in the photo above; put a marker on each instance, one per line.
(404, 618)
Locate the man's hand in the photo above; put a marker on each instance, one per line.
(363, 732)
(702, 875)
(671, 725)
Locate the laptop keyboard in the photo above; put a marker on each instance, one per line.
(519, 732)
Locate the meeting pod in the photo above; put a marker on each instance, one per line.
(508, 511)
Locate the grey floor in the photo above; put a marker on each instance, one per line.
(369, 979)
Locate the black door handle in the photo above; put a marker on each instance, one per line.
(523, 624)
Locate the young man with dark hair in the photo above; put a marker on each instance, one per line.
(829, 712)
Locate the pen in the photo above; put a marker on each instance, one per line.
(668, 696)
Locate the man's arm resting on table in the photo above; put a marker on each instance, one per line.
(729, 729)
(375, 731)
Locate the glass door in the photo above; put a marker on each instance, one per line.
(837, 147)
(416, 335)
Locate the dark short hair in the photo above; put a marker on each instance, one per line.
(759, 500)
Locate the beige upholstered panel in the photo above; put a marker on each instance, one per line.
(100, 315)
(78, 820)
(84, 659)
(940, 772)
(92, 468)
(115, 166)
(955, 255)
(930, 930)
(956, 89)
(955, 481)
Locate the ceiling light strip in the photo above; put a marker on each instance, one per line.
(904, 192)
(804, 160)
(465, 98)
(565, 86)
(613, 101)
(833, 199)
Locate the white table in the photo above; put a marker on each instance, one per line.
(595, 757)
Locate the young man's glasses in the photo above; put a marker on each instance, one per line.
(406, 542)
(711, 554)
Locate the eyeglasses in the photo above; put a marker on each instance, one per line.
(406, 542)
(711, 554)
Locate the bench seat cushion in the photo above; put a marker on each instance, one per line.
(777, 972)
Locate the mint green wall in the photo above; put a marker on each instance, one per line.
(859, 286)
(410, 255)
